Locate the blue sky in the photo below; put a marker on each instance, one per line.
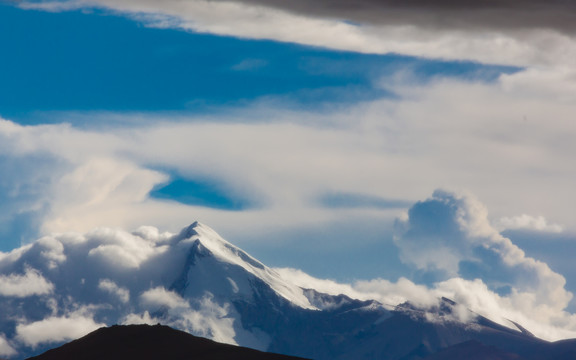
(115, 64)
(314, 139)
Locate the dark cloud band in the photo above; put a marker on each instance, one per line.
(559, 15)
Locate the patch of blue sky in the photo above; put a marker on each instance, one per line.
(200, 192)
(19, 228)
(95, 61)
(22, 186)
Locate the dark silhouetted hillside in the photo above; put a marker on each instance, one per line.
(145, 342)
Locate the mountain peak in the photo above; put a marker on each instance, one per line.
(190, 230)
(230, 270)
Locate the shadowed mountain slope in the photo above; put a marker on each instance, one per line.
(473, 350)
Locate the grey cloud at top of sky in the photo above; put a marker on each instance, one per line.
(444, 14)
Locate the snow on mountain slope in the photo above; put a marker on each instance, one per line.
(225, 270)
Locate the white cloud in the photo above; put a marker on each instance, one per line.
(28, 284)
(557, 83)
(326, 286)
(527, 222)
(141, 318)
(458, 225)
(5, 348)
(209, 319)
(200, 316)
(56, 329)
(394, 293)
(160, 297)
(123, 294)
(388, 292)
(399, 149)
(547, 322)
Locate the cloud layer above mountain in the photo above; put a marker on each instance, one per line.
(63, 178)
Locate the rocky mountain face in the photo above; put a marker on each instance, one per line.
(197, 282)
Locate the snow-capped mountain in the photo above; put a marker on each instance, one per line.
(61, 287)
(216, 267)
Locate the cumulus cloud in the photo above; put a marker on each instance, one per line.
(72, 294)
(5, 348)
(448, 238)
(123, 294)
(56, 329)
(527, 222)
(450, 235)
(120, 249)
(160, 297)
(82, 288)
(209, 319)
(204, 316)
(23, 285)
